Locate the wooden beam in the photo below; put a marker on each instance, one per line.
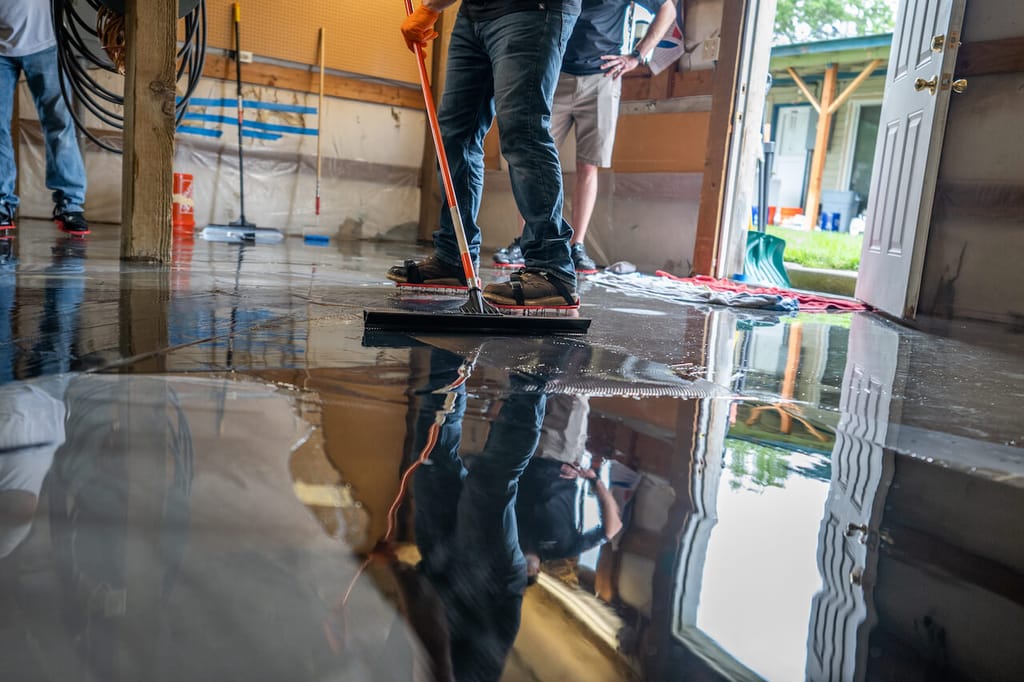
(302, 80)
(146, 175)
(661, 85)
(709, 217)
(804, 89)
(637, 84)
(854, 84)
(990, 57)
(828, 91)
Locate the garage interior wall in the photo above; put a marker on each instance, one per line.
(973, 260)
(372, 135)
(373, 143)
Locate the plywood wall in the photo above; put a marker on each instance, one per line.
(362, 37)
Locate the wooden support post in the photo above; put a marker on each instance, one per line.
(430, 191)
(148, 130)
(828, 91)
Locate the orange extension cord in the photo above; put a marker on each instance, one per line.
(382, 550)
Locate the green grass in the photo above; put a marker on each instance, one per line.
(816, 249)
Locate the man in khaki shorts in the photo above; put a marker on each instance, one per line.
(587, 96)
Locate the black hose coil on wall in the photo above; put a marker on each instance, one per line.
(90, 35)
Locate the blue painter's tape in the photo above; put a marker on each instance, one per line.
(259, 125)
(252, 104)
(260, 136)
(317, 239)
(193, 130)
(279, 128)
(212, 118)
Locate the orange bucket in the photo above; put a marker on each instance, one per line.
(183, 207)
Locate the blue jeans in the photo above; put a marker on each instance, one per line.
(466, 527)
(65, 171)
(507, 67)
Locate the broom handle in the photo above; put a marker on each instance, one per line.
(319, 120)
(237, 10)
(442, 160)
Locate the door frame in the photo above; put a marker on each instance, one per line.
(851, 138)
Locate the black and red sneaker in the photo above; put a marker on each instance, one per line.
(7, 226)
(72, 222)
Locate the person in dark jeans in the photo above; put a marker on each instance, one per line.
(28, 45)
(465, 522)
(503, 62)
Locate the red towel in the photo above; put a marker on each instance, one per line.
(810, 303)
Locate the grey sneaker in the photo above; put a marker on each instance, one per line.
(531, 288)
(510, 256)
(584, 264)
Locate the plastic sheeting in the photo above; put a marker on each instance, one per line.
(371, 162)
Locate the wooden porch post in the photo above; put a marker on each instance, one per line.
(148, 130)
(828, 93)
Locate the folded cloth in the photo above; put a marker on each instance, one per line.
(808, 302)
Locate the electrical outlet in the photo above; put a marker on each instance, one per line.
(245, 57)
(711, 49)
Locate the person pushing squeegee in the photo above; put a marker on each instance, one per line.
(503, 62)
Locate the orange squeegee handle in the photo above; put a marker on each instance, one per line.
(442, 159)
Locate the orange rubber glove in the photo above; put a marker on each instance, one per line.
(418, 27)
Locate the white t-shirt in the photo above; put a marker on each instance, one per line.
(26, 27)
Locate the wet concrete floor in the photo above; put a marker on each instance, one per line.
(197, 464)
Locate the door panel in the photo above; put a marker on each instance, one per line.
(907, 154)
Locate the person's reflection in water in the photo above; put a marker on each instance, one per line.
(31, 429)
(8, 287)
(118, 514)
(548, 507)
(466, 527)
(65, 287)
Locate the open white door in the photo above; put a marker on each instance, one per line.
(911, 129)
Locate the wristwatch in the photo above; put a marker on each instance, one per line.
(636, 54)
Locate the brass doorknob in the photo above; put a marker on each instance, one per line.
(929, 85)
(959, 85)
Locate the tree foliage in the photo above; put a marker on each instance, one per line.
(798, 21)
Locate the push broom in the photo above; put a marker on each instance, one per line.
(241, 231)
(475, 316)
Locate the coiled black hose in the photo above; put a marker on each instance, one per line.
(77, 54)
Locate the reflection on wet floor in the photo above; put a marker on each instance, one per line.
(208, 471)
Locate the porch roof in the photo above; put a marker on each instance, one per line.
(851, 54)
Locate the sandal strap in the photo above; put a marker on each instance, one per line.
(559, 285)
(516, 280)
(412, 272)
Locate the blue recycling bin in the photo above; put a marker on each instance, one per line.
(840, 207)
